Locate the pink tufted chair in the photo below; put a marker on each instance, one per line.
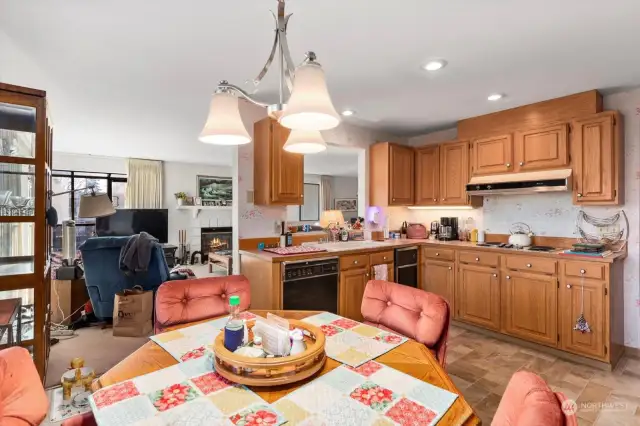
(528, 401)
(179, 302)
(414, 313)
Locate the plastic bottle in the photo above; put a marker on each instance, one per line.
(234, 329)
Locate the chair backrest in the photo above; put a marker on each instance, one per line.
(528, 401)
(414, 313)
(179, 302)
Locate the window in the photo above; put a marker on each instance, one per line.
(68, 205)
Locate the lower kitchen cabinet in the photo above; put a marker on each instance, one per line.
(352, 285)
(529, 307)
(478, 296)
(569, 309)
(439, 278)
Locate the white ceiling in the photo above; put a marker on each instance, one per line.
(133, 77)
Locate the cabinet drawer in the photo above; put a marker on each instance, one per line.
(480, 258)
(438, 253)
(585, 269)
(532, 264)
(354, 261)
(382, 257)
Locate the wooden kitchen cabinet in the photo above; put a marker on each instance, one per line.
(438, 277)
(352, 285)
(569, 309)
(427, 182)
(492, 155)
(598, 165)
(529, 306)
(478, 296)
(454, 173)
(278, 175)
(391, 174)
(542, 148)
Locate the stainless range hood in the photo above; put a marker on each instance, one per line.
(521, 183)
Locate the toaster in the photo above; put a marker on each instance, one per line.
(416, 231)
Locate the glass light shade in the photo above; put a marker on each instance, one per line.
(224, 125)
(310, 106)
(305, 142)
(98, 205)
(331, 217)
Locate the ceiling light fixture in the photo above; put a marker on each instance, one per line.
(495, 97)
(348, 112)
(435, 65)
(304, 103)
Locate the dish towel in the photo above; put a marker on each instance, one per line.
(380, 272)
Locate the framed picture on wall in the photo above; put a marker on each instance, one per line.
(214, 188)
(346, 204)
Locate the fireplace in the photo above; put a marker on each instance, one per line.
(215, 239)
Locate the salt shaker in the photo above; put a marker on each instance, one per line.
(297, 342)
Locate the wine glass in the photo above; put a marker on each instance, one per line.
(19, 203)
(4, 203)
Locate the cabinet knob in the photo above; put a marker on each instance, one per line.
(508, 277)
(449, 267)
(582, 271)
(355, 262)
(522, 163)
(384, 257)
(579, 195)
(367, 274)
(477, 259)
(301, 195)
(528, 265)
(393, 199)
(435, 199)
(437, 254)
(508, 164)
(443, 199)
(495, 275)
(568, 285)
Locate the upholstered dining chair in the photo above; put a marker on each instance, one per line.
(528, 401)
(409, 311)
(179, 302)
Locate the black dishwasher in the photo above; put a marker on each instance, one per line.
(406, 266)
(310, 285)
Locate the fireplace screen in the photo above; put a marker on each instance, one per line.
(215, 240)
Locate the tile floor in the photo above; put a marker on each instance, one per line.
(482, 366)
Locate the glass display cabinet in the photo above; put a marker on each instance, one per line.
(25, 238)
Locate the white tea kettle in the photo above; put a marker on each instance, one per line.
(520, 235)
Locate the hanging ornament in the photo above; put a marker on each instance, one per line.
(581, 323)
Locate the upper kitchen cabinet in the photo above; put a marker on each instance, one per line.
(454, 173)
(278, 175)
(542, 148)
(427, 176)
(598, 164)
(391, 174)
(492, 155)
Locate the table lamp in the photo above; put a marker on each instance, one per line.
(331, 220)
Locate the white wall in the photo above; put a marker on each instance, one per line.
(293, 212)
(344, 187)
(554, 214)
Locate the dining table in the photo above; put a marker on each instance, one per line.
(411, 357)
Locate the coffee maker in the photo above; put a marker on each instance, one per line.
(448, 229)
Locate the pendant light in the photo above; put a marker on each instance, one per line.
(224, 124)
(305, 142)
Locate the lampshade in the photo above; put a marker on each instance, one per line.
(95, 205)
(309, 107)
(224, 125)
(305, 142)
(330, 217)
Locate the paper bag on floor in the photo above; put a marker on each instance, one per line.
(132, 313)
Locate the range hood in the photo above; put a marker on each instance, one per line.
(521, 183)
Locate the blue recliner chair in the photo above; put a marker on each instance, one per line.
(104, 278)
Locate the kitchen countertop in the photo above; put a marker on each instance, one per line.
(393, 244)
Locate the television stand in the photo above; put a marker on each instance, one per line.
(170, 254)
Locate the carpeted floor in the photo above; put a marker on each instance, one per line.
(99, 348)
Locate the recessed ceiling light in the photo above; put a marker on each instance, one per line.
(494, 97)
(435, 65)
(348, 112)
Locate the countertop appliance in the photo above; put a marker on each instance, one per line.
(311, 285)
(511, 246)
(448, 229)
(521, 183)
(406, 266)
(520, 235)
(416, 231)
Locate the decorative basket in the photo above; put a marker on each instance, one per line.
(272, 371)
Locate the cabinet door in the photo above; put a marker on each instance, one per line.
(352, 284)
(529, 303)
(438, 278)
(454, 173)
(545, 148)
(287, 170)
(492, 155)
(593, 158)
(569, 309)
(427, 176)
(400, 175)
(478, 296)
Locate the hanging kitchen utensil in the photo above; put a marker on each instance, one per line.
(581, 323)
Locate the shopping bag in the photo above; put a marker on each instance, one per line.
(133, 312)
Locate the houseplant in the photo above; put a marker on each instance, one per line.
(180, 197)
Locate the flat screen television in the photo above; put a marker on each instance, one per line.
(127, 222)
